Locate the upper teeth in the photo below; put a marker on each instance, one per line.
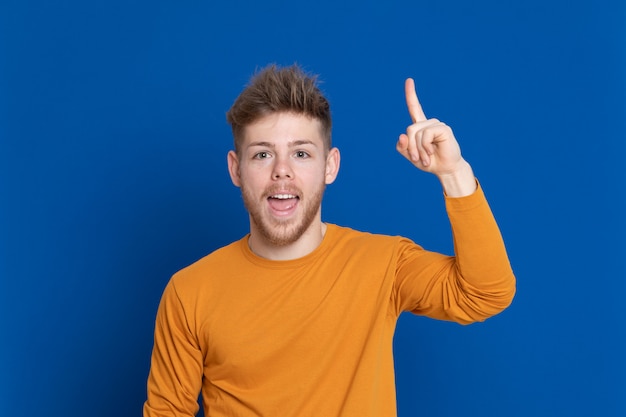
(283, 196)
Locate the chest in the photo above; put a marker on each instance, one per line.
(289, 318)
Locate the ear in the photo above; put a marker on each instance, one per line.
(332, 165)
(233, 168)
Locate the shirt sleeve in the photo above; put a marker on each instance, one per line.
(175, 378)
(471, 286)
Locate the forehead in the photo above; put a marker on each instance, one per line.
(283, 127)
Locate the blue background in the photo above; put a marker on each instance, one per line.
(113, 176)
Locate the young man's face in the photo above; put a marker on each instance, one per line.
(282, 169)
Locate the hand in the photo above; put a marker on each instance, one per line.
(429, 144)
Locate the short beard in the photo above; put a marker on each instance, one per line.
(282, 233)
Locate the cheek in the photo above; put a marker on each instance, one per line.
(252, 180)
(314, 178)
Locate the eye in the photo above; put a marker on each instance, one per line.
(302, 154)
(261, 155)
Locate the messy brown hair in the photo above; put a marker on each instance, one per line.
(273, 90)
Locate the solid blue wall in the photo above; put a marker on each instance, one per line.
(113, 176)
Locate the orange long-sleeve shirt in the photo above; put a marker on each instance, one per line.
(313, 336)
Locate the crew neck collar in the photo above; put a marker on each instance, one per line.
(289, 263)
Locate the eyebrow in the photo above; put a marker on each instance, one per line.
(291, 144)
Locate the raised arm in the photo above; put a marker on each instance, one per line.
(478, 281)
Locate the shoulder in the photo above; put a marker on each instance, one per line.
(347, 233)
(341, 237)
(343, 233)
(203, 271)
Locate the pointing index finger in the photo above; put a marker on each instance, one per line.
(413, 104)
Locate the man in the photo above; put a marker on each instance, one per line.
(297, 318)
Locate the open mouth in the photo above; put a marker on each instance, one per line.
(283, 204)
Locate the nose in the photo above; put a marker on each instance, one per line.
(282, 169)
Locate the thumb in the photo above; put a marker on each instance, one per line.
(402, 146)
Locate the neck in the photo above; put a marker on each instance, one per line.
(305, 244)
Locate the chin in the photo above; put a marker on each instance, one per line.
(283, 234)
